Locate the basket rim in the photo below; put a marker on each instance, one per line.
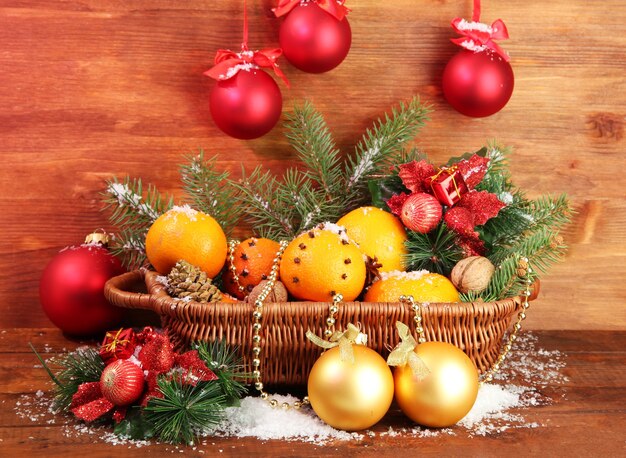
(166, 305)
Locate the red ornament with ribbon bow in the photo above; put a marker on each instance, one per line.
(246, 102)
(315, 35)
(478, 81)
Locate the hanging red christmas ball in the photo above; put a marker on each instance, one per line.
(246, 102)
(246, 106)
(71, 290)
(421, 212)
(315, 35)
(122, 382)
(478, 81)
(478, 84)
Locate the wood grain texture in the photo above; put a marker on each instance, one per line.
(96, 89)
(587, 416)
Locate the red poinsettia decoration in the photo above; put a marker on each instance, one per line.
(155, 355)
(454, 187)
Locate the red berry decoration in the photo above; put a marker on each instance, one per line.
(478, 81)
(71, 290)
(246, 102)
(421, 212)
(122, 382)
(315, 36)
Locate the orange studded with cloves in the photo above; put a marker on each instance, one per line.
(321, 263)
(253, 260)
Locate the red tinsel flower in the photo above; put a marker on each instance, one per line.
(396, 202)
(482, 205)
(414, 175)
(459, 220)
(473, 170)
(157, 354)
(194, 369)
(89, 404)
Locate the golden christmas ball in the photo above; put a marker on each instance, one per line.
(351, 396)
(446, 394)
(472, 274)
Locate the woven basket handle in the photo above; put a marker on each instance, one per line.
(118, 291)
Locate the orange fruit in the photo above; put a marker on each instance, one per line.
(184, 233)
(422, 285)
(253, 263)
(323, 262)
(228, 299)
(379, 234)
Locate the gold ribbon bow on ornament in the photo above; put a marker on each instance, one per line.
(404, 353)
(344, 340)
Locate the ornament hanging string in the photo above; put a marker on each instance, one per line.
(477, 36)
(228, 63)
(335, 8)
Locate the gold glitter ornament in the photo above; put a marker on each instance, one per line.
(446, 394)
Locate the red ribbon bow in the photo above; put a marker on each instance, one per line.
(334, 7)
(478, 36)
(229, 63)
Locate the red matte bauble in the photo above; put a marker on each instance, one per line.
(122, 382)
(313, 40)
(478, 84)
(248, 105)
(71, 290)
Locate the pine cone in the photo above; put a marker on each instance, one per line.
(187, 280)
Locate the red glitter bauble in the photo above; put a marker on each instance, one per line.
(71, 290)
(421, 212)
(122, 382)
(478, 84)
(313, 40)
(246, 106)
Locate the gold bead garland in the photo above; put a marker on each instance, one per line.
(232, 245)
(488, 376)
(331, 320)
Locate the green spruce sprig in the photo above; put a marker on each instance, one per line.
(209, 190)
(184, 410)
(133, 209)
(327, 187)
(436, 251)
(81, 366)
(382, 147)
(227, 364)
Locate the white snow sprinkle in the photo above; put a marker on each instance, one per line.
(126, 197)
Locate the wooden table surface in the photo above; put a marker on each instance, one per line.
(586, 418)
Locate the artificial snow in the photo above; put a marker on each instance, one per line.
(415, 275)
(255, 418)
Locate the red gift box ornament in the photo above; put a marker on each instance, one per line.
(118, 344)
(448, 185)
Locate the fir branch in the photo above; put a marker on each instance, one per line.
(382, 145)
(268, 214)
(209, 191)
(81, 366)
(133, 213)
(436, 251)
(226, 363)
(130, 247)
(543, 248)
(309, 135)
(184, 410)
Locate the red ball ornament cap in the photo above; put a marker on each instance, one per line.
(228, 63)
(335, 8)
(478, 36)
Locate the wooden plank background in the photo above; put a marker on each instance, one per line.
(94, 89)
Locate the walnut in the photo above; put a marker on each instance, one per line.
(278, 294)
(472, 274)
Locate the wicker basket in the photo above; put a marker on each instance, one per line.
(287, 357)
